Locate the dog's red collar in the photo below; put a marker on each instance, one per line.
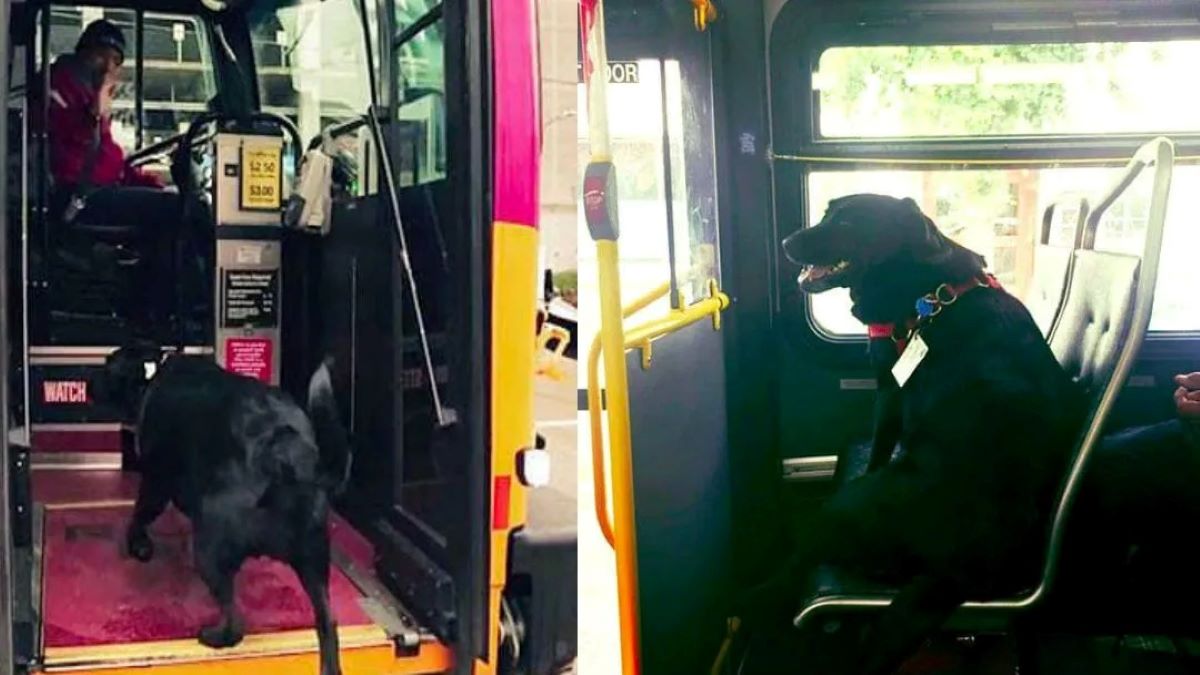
(887, 331)
(929, 306)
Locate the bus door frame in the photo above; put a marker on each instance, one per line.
(7, 663)
(466, 556)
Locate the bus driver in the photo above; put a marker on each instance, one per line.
(93, 185)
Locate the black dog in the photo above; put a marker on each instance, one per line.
(244, 463)
(985, 422)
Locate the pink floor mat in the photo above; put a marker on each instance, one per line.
(94, 595)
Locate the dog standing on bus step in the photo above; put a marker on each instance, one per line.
(983, 414)
(252, 471)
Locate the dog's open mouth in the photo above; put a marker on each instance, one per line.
(819, 278)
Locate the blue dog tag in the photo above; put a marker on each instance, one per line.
(924, 308)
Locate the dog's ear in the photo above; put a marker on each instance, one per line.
(930, 247)
(926, 243)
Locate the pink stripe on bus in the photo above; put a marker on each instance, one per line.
(517, 119)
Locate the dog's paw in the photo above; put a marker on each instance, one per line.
(140, 547)
(221, 636)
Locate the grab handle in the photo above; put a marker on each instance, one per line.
(599, 483)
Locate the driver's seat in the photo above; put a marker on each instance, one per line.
(88, 271)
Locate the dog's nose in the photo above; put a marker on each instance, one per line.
(791, 247)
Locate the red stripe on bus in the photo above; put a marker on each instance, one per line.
(517, 119)
(501, 496)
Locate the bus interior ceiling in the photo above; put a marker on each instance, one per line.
(792, 130)
(343, 295)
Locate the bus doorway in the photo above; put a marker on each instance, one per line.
(816, 101)
(659, 122)
(391, 272)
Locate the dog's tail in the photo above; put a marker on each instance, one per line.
(332, 439)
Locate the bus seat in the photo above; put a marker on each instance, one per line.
(1106, 312)
(1052, 261)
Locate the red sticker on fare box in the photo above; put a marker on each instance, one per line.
(249, 356)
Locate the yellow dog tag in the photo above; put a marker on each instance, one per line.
(913, 354)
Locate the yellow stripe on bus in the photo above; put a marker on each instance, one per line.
(514, 324)
(365, 650)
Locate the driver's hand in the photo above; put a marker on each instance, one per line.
(1187, 396)
(104, 98)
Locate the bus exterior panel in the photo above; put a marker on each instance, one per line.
(515, 183)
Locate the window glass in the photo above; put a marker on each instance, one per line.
(421, 113)
(312, 69)
(635, 130)
(311, 63)
(408, 11)
(998, 213)
(974, 90)
(638, 91)
(178, 79)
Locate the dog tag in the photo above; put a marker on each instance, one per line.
(913, 354)
(151, 368)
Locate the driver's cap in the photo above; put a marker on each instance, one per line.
(102, 33)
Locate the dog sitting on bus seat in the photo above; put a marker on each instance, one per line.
(985, 422)
(252, 471)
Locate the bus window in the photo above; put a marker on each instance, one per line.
(310, 61)
(635, 125)
(428, 470)
(639, 91)
(177, 71)
(420, 141)
(178, 82)
(960, 92)
(972, 90)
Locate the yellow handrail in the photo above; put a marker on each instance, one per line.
(616, 385)
(599, 483)
(551, 366)
(623, 537)
(677, 319)
(704, 12)
(600, 210)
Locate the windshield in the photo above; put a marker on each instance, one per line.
(311, 63)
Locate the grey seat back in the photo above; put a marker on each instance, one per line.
(1096, 316)
(1052, 257)
(1110, 297)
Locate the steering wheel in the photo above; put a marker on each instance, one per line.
(164, 147)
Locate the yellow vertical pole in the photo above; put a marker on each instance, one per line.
(600, 209)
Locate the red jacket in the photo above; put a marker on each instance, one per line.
(72, 125)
